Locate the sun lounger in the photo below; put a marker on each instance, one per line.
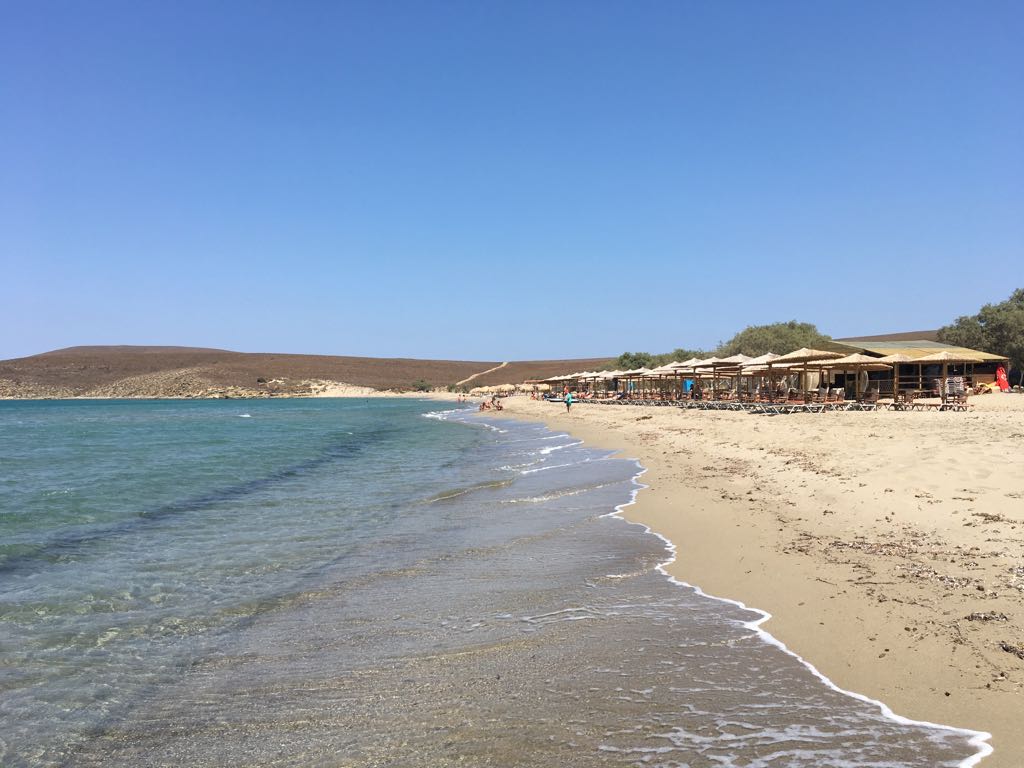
(903, 401)
(868, 401)
(836, 400)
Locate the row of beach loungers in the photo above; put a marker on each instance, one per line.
(793, 402)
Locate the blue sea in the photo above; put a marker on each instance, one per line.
(374, 583)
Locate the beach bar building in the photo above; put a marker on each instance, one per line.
(909, 375)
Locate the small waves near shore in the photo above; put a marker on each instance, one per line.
(350, 583)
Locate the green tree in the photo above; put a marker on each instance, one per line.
(780, 338)
(420, 385)
(966, 331)
(629, 361)
(679, 354)
(997, 328)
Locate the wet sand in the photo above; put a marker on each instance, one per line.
(887, 546)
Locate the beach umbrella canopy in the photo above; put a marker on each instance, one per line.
(729, 365)
(862, 364)
(705, 363)
(763, 368)
(734, 360)
(805, 355)
(762, 359)
(945, 357)
(760, 363)
(685, 364)
(896, 360)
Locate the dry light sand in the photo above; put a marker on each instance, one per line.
(887, 546)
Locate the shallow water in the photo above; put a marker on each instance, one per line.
(346, 583)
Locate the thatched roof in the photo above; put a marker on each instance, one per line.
(915, 349)
(857, 360)
(951, 356)
(805, 355)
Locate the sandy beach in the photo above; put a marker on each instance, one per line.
(887, 546)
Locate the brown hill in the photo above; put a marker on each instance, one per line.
(127, 371)
(524, 370)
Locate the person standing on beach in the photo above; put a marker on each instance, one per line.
(568, 401)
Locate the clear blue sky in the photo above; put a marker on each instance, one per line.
(491, 181)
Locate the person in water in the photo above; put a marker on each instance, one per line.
(568, 401)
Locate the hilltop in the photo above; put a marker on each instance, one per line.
(134, 371)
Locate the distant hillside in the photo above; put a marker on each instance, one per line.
(518, 372)
(125, 371)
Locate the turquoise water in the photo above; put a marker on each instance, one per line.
(371, 582)
(133, 534)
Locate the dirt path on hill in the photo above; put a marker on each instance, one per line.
(482, 373)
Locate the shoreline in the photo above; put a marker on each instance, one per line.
(981, 740)
(901, 649)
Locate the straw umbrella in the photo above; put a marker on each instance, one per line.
(581, 377)
(858, 363)
(660, 373)
(764, 359)
(803, 355)
(679, 369)
(603, 378)
(607, 376)
(756, 366)
(731, 362)
(896, 361)
(696, 365)
(946, 357)
(635, 374)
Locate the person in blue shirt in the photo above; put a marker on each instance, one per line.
(568, 401)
